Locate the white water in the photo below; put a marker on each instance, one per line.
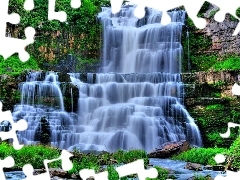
(137, 106)
(43, 99)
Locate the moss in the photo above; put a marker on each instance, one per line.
(198, 43)
(229, 63)
(213, 119)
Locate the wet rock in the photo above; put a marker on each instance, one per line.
(218, 168)
(196, 177)
(208, 167)
(54, 172)
(193, 166)
(169, 149)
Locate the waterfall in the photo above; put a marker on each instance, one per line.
(136, 99)
(134, 102)
(43, 99)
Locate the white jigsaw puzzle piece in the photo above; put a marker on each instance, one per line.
(9, 45)
(16, 126)
(5, 163)
(66, 165)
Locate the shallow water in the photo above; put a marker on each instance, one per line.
(176, 166)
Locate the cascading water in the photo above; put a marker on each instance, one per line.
(136, 106)
(139, 104)
(43, 100)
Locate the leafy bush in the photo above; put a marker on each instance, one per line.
(162, 174)
(95, 161)
(129, 156)
(214, 107)
(231, 63)
(234, 153)
(13, 65)
(33, 155)
(200, 155)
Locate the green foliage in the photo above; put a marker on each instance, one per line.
(13, 65)
(129, 156)
(203, 9)
(80, 34)
(198, 43)
(94, 161)
(202, 62)
(112, 173)
(213, 12)
(234, 153)
(162, 174)
(33, 155)
(213, 107)
(231, 63)
(200, 155)
(238, 12)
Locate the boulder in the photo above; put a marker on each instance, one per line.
(170, 149)
(193, 166)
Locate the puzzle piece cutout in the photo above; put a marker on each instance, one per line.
(16, 126)
(66, 165)
(136, 167)
(192, 8)
(6, 163)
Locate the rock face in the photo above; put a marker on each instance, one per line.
(221, 33)
(170, 149)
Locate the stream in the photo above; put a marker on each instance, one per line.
(176, 167)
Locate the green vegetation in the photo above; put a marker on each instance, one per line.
(33, 155)
(230, 63)
(200, 155)
(234, 153)
(36, 154)
(13, 66)
(213, 119)
(79, 35)
(197, 45)
(200, 55)
(162, 174)
(206, 156)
